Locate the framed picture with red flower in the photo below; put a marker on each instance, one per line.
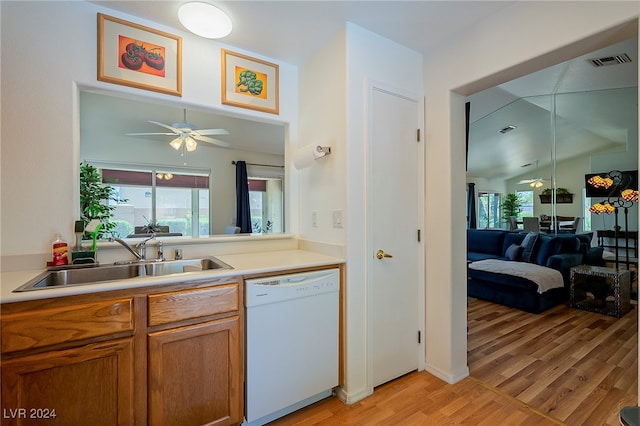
(249, 82)
(137, 56)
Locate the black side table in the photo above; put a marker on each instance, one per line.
(602, 290)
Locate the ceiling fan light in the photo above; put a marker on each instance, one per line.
(536, 184)
(204, 20)
(176, 143)
(190, 143)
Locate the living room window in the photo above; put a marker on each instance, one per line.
(489, 210)
(526, 208)
(177, 199)
(266, 204)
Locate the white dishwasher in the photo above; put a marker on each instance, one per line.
(291, 343)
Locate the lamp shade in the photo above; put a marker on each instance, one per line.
(190, 144)
(204, 20)
(176, 143)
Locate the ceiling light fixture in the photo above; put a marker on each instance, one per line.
(204, 20)
(189, 143)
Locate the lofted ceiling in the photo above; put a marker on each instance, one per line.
(595, 106)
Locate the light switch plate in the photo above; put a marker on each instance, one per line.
(337, 218)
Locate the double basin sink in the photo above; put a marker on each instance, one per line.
(98, 274)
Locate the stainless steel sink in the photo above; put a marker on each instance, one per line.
(155, 269)
(100, 274)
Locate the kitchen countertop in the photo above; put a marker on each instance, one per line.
(243, 264)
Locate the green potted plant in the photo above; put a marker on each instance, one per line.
(511, 205)
(94, 199)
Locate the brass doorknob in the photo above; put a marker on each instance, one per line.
(380, 254)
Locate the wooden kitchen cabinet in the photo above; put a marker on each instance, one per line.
(68, 363)
(91, 385)
(166, 354)
(195, 357)
(195, 374)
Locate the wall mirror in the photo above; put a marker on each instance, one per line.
(538, 136)
(188, 192)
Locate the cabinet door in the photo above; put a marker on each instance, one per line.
(89, 385)
(195, 375)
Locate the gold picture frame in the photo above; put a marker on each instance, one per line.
(249, 82)
(137, 56)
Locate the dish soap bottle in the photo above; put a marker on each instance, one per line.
(60, 251)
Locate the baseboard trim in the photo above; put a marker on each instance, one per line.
(448, 377)
(349, 398)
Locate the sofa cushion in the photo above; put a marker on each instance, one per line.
(585, 241)
(546, 247)
(474, 256)
(513, 252)
(528, 245)
(487, 241)
(570, 244)
(593, 256)
(512, 238)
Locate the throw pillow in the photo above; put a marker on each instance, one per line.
(528, 244)
(513, 252)
(593, 256)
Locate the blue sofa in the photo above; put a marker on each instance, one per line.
(559, 252)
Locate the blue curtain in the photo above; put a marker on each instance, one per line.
(243, 213)
(467, 113)
(471, 206)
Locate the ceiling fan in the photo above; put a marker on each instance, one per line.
(535, 182)
(187, 135)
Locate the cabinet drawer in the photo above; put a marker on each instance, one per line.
(182, 305)
(27, 330)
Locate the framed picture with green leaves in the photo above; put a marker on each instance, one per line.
(249, 82)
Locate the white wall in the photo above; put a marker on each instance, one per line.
(323, 121)
(351, 61)
(370, 59)
(475, 62)
(39, 107)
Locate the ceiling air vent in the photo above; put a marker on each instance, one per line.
(622, 58)
(507, 129)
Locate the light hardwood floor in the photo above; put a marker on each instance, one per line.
(421, 399)
(576, 366)
(562, 367)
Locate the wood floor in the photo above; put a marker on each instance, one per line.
(562, 367)
(576, 366)
(421, 399)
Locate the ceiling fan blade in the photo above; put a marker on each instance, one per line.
(147, 134)
(526, 181)
(210, 140)
(211, 132)
(166, 126)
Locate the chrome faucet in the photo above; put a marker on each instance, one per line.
(141, 253)
(160, 248)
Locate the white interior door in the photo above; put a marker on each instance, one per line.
(395, 200)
